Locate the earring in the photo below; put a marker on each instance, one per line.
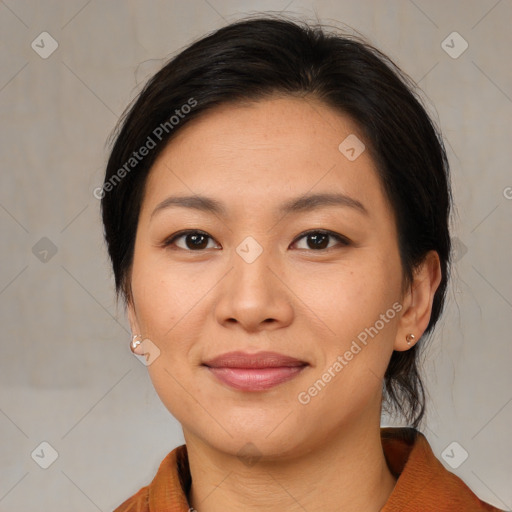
(410, 338)
(136, 341)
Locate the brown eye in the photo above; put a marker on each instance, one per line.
(319, 240)
(190, 240)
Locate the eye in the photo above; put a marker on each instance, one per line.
(194, 240)
(319, 239)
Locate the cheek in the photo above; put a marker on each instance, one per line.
(360, 305)
(350, 297)
(360, 309)
(164, 300)
(163, 293)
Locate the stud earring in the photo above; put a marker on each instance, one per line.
(410, 338)
(136, 341)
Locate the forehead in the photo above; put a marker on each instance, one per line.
(266, 151)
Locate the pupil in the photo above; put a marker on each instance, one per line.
(319, 241)
(197, 243)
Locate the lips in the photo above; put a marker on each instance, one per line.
(258, 360)
(254, 372)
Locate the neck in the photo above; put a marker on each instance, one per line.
(346, 472)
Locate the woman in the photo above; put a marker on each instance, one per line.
(276, 210)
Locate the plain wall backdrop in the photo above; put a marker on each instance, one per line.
(67, 376)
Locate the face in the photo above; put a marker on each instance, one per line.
(271, 269)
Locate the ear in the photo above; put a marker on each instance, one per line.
(134, 324)
(132, 318)
(130, 307)
(417, 301)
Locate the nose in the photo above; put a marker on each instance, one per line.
(254, 296)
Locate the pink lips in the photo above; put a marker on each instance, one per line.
(254, 372)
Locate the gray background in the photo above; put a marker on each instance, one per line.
(67, 376)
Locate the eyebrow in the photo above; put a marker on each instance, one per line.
(296, 205)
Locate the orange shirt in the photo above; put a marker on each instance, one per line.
(423, 484)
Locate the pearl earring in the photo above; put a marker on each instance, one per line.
(136, 341)
(410, 338)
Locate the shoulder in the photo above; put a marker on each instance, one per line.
(168, 489)
(423, 483)
(139, 502)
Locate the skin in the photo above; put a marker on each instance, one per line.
(294, 299)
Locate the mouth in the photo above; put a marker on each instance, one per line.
(254, 372)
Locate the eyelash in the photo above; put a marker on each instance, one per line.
(344, 241)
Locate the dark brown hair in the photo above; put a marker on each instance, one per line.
(259, 57)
